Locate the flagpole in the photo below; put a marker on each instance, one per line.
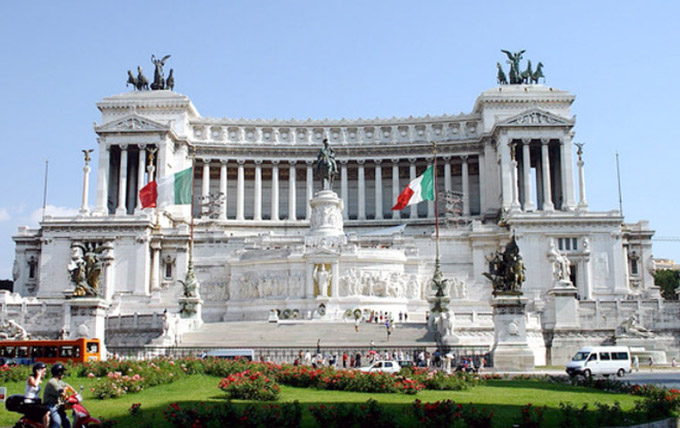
(436, 202)
(45, 192)
(191, 228)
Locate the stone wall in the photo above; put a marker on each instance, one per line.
(133, 330)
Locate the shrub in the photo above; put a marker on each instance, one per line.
(573, 417)
(370, 414)
(250, 386)
(531, 416)
(14, 373)
(438, 414)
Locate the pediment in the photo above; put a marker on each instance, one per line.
(537, 117)
(132, 123)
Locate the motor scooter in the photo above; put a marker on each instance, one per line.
(71, 400)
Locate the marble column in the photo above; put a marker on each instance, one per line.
(526, 175)
(240, 190)
(514, 177)
(482, 183)
(257, 208)
(344, 189)
(430, 204)
(205, 187)
(155, 266)
(412, 176)
(223, 188)
(395, 187)
(122, 181)
(582, 202)
(378, 190)
(102, 180)
(567, 174)
(275, 190)
(84, 210)
(291, 191)
(361, 203)
(503, 148)
(140, 174)
(447, 173)
(545, 167)
(309, 186)
(465, 181)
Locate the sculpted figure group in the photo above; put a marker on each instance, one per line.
(507, 271)
(141, 83)
(517, 76)
(85, 269)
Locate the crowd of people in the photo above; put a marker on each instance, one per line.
(416, 358)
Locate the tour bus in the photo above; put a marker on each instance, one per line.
(230, 354)
(600, 360)
(49, 351)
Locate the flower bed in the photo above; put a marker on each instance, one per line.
(249, 385)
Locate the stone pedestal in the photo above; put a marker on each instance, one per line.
(511, 350)
(564, 306)
(190, 310)
(88, 319)
(326, 218)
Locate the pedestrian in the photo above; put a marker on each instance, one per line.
(482, 363)
(356, 325)
(401, 316)
(344, 360)
(351, 361)
(372, 345)
(357, 360)
(318, 346)
(674, 363)
(405, 316)
(651, 363)
(636, 363)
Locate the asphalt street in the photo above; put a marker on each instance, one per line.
(667, 378)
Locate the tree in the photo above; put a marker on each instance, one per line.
(669, 281)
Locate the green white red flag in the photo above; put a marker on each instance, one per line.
(174, 189)
(419, 190)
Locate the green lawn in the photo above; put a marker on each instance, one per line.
(504, 397)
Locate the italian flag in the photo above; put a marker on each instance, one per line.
(173, 189)
(419, 190)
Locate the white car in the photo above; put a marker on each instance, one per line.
(383, 366)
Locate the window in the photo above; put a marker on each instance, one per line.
(593, 357)
(7, 352)
(92, 347)
(604, 356)
(567, 244)
(50, 352)
(37, 351)
(634, 267)
(388, 365)
(619, 355)
(66, 351)
(22, 351)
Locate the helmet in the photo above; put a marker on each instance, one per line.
(58, 369)
(39, 366)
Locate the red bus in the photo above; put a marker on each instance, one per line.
(49, 351)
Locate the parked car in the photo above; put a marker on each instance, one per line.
(383, 366)
(600, 360)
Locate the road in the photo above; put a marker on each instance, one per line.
(667, 378)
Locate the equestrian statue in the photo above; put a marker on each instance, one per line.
(326, 165)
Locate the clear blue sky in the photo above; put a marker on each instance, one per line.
(334, 59)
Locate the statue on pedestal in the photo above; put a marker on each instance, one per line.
(507, 271)
(561, 266)
(326, 165)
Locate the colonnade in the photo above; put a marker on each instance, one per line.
(279, 190)
(553, 176)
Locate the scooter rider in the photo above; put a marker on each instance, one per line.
(52, 394)
(32, 405)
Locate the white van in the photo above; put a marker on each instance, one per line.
(230, 354)
(600, 360)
